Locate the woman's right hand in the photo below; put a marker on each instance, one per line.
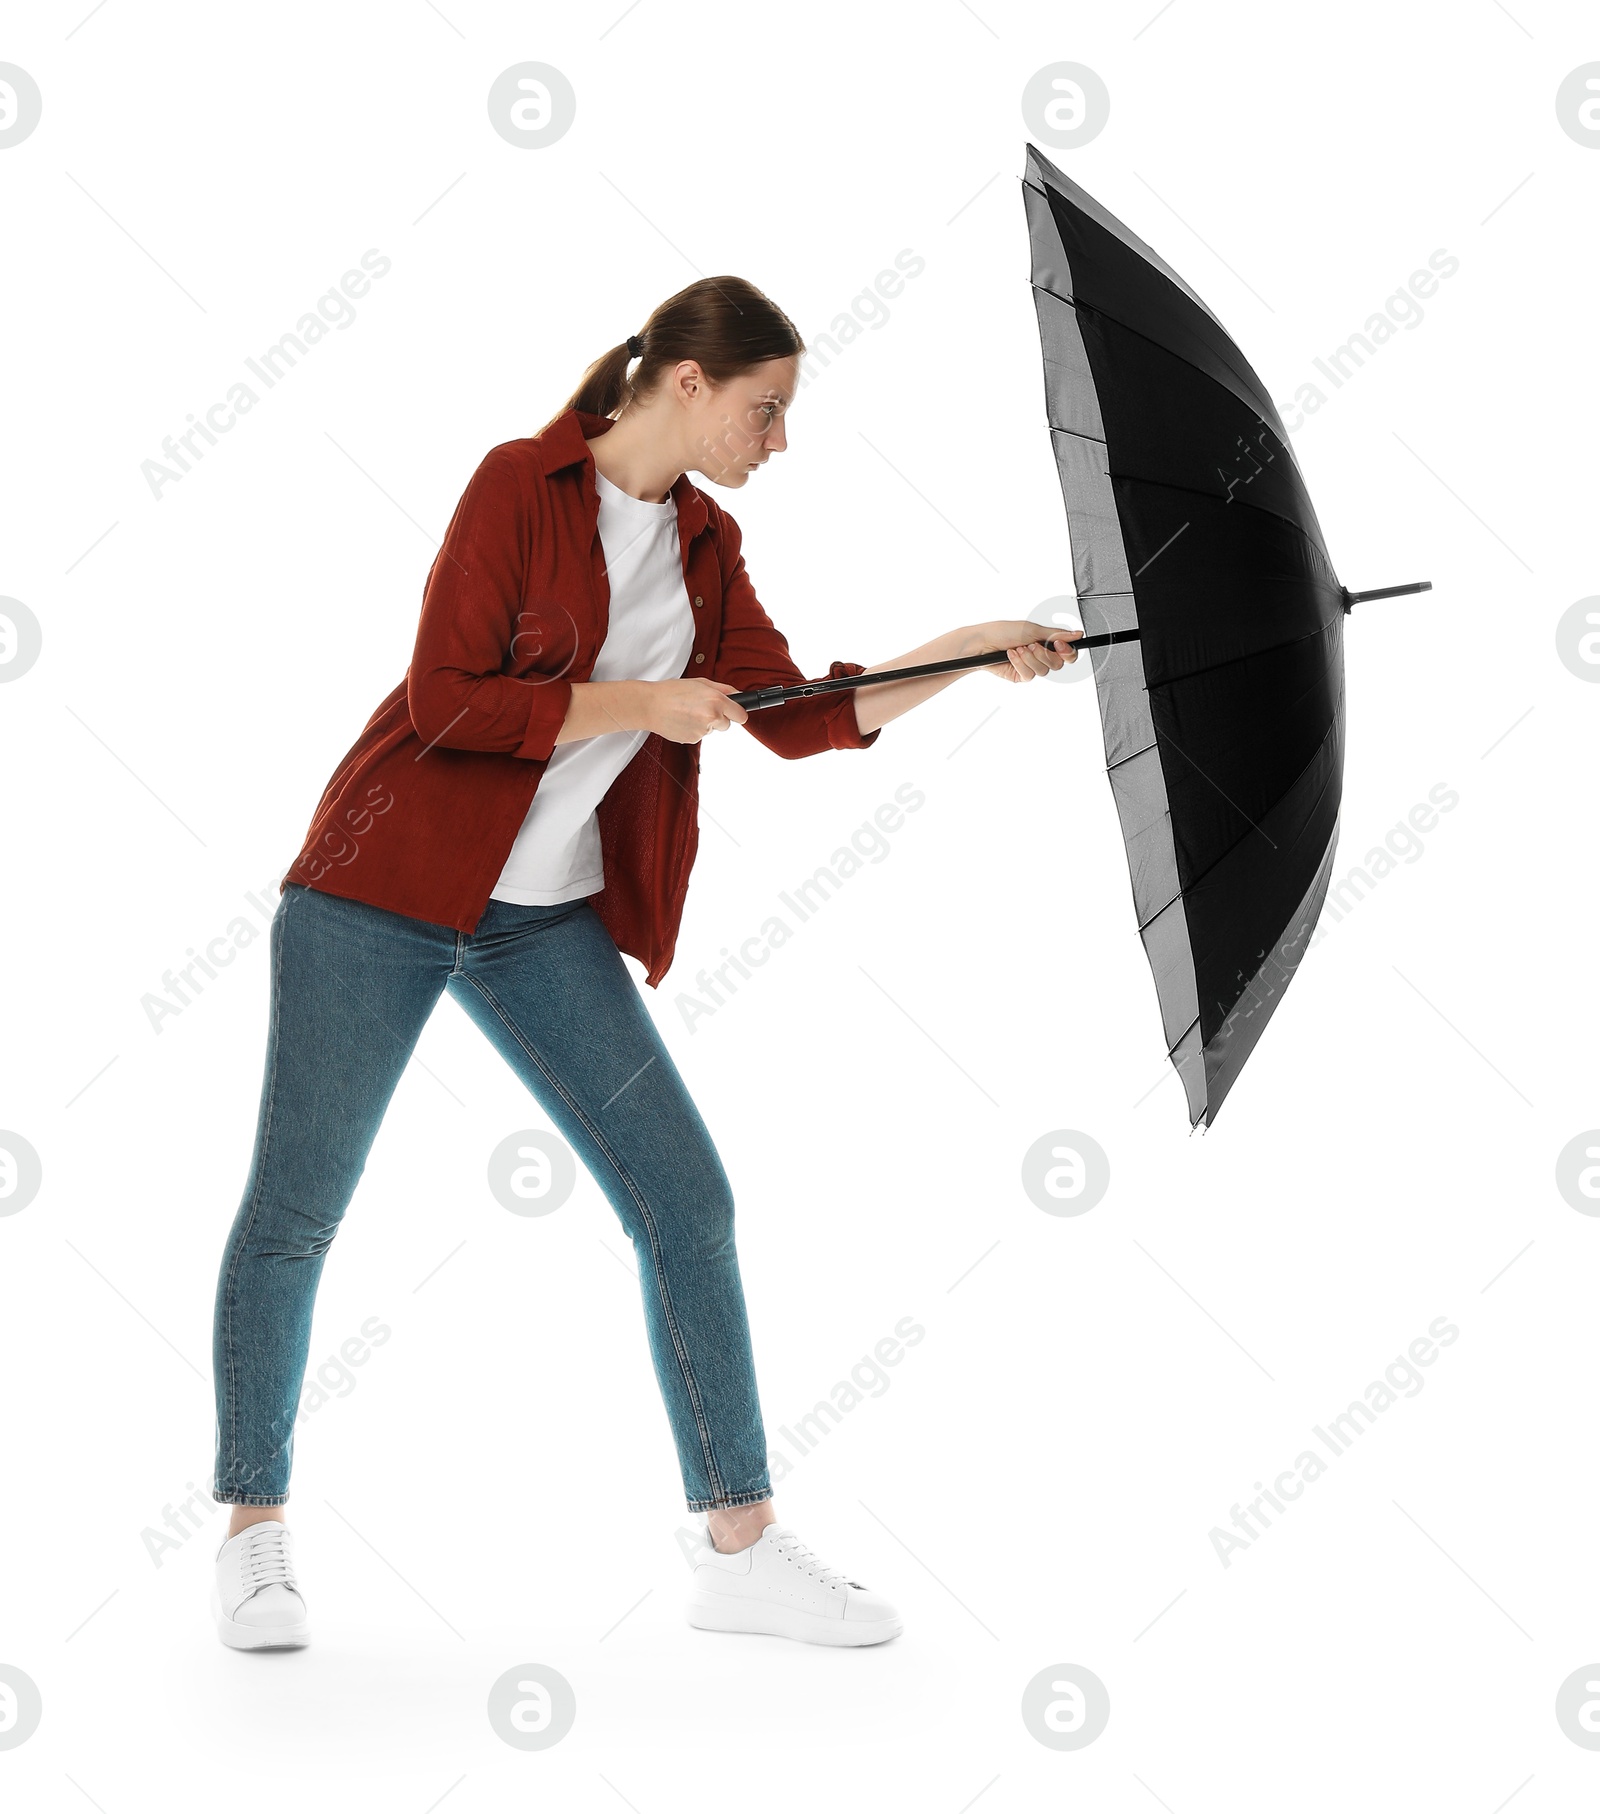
(684, 711)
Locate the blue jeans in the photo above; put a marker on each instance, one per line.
(352, 986)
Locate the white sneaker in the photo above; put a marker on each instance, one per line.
(779, 1587)
(256, 1600)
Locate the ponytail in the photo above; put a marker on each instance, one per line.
(604, 385)
(724, 323)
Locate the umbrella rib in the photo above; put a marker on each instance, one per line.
(1275, 430)
(1257, 971)
(1144, 925)
(1180, 895)
(1302, 694)
(1193, 491)
(1132, 756)
(1189, 490)
(1161, 737)
(1300, 529)
(1249, 373)
(1233, 661)
(1275, 426)
(1120, 230)
(1183, 1036)
(1184, 888)
(1215, 667)
(1075, 302)
(1076, 433)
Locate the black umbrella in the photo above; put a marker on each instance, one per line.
(1201, 574)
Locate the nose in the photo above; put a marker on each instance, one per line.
(776, 438)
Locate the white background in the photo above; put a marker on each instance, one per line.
(1038, 1482)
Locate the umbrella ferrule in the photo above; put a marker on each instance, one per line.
(1357, 598)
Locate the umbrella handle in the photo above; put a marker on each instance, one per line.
(757, 699)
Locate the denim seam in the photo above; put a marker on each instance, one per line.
(755, 1496)
(713, 1475)
(275, 984)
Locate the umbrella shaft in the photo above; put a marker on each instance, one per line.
(757, 699)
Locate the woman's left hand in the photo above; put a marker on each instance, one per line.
(1027, 644)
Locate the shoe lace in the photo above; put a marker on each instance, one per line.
(266, 1559)
(804, 1557)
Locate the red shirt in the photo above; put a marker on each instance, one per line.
(421, 814)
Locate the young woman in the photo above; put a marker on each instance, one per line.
(518, 811)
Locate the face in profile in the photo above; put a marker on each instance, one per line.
(736, 427)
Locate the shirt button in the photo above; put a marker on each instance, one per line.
(698, 599)
(699, 658)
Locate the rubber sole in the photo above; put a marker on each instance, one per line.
(727, 1612)
(257, 1637)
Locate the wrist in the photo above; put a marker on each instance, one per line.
(636, 698)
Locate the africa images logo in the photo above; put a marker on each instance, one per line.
(1401, 1378)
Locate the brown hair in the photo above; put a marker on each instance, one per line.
(725, 323)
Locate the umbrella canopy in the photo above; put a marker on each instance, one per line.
(1224, 714)
(1216, 621)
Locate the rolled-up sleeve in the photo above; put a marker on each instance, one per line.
(753, 652)
(472, 619)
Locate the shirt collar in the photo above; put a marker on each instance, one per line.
(566, 443)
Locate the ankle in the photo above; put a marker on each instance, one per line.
(246, 1515)
(732, 1528)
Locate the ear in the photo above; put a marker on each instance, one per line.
(689, 382)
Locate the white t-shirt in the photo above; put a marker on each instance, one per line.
(650, 636)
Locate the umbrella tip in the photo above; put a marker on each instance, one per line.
(1358, 598)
